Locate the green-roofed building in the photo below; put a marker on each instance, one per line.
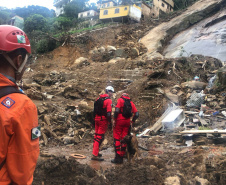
(17, 21)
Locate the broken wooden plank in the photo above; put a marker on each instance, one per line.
(203, 132)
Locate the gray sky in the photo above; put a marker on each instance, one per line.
(21, 3)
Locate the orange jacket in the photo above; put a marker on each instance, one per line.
(18, 115)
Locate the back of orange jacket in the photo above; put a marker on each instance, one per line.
(18, 116)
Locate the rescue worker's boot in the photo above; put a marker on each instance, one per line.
(97, 158)
(99, 155)
(118, 159)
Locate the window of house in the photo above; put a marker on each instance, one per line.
(163, 4)
(108, 4)
(125, 8)
(117, 10)
(81, 15)
(105, 12)
(88, 14)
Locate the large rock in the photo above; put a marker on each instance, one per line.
(115, 60)
(120, 52)
(111, 48)
(201, 181)
(80, 62)
(134, 52)
(172, 181)
(101, 49)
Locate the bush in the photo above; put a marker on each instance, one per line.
(45, 45)
(35, 22)
(42, 46)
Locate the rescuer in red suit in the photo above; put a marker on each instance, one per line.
(102, 117)
(121, 127)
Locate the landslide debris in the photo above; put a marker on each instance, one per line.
(64, 84)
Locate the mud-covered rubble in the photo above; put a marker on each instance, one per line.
(67, 94)
(59, 170)
(164, 163)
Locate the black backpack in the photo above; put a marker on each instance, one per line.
(127, 108)
(98, 107)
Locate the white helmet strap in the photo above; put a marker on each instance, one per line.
(18, 71)
(9, 60)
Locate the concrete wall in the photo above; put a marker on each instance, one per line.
(135, 12)
(147, 11)
(89, 13)
(164, 5)
(132, 11)
(111, 12)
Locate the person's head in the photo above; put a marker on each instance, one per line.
(14, 47)
(125, 94)
(109, 90)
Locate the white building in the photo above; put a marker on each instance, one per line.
(86, 14)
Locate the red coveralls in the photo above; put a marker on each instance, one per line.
(101, 125)
(18, 115)
(122, 125)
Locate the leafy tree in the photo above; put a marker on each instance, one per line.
(92, 6)
(180, 4)
(74, 7)
(35, 22)
(4, 16)
(26, 12)
(63, 22)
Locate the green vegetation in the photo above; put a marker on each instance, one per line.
(204, 128)
(42, 26)
(4, 16)
(181, 4)
(35, 22)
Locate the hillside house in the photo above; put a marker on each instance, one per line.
(162, 5)
(147, 11)
(106, 4)
(87, 14)
(121, 13)
(17, 21)
(59, 6)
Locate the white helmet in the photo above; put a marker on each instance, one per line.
(109, 88)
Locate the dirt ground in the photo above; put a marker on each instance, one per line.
(64, 91)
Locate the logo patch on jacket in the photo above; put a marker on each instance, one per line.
(35, 132)
(8, 102)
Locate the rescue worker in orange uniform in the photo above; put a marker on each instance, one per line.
(19, 130)
(121, 126)
(102, 120)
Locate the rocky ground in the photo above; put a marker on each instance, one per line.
(64, 84)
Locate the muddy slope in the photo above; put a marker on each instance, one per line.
(158, 38)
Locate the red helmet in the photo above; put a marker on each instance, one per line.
(125, 94)
(12, 38)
